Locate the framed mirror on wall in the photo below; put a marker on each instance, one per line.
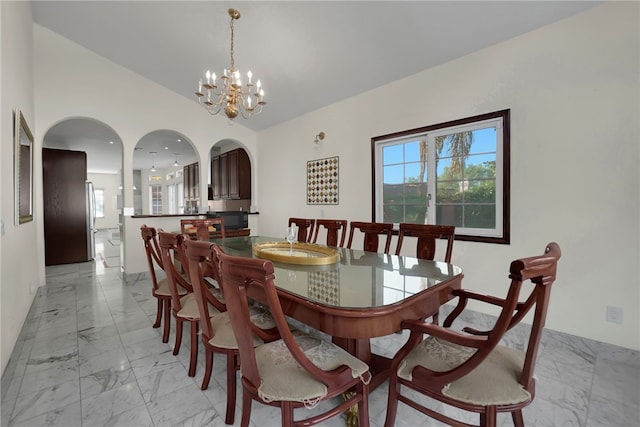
(23, 169)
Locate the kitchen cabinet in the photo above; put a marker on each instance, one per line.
(231, 175)
(191, 177)
(216, 185)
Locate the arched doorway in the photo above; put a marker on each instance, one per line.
(165, 174)
(82, 192)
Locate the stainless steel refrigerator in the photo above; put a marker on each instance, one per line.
(91, 220)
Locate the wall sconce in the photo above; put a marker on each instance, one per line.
(319, 137)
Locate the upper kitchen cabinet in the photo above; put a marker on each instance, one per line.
(231, 175)
(191, 176)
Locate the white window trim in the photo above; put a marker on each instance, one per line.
(499, 120)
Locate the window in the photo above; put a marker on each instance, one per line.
(99, 196)
(171, 195)
(454, 173)
(155, 198)
(180, 198)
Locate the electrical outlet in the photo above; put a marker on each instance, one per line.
(615, 314)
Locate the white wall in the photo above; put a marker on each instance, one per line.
(131, 105)
(573, 91)
(109, 182)
(21, 267)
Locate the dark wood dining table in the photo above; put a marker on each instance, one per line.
(363, 296)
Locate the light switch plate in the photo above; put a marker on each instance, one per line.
(615, 314)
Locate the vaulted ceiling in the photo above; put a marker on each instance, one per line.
(308, 54)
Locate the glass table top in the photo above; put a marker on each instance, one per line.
(358, 280)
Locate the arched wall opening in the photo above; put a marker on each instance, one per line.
(230, 177)
(82, 189)
(165, 174)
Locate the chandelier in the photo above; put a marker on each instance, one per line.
(229, 92)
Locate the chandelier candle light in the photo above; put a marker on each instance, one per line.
(231, 94)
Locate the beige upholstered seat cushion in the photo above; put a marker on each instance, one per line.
(190, 309)
(163, 288)
(493, 382)
(223, 336)
(261, 317)
(216, 293)
(282, 377)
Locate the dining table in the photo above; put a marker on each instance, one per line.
(360, 296)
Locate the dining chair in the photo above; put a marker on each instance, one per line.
(333, 227)
(372, 231)
(160, 287)
(305, 228)
(296, 371)
(202, 227)
(426, 239)
(469, 369)
(217, 334)
(183, 307)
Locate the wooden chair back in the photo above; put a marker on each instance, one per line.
(240, 277)
(426, 239)
(334, 228)
(480, 349)
(173, 255)
(203, 263)
(152, 252)
(202, 227)
(305, 228)
(372, 231)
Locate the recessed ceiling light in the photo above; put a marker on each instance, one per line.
(111, 142)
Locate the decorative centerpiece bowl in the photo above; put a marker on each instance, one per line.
(297, 253)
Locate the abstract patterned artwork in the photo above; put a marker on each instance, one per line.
(322, 181)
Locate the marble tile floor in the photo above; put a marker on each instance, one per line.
(88, 356)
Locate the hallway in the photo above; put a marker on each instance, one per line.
(108, 248)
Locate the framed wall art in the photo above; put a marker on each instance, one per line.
(23, 169)
(323, 181)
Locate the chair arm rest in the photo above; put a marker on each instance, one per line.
(182, 282)
(444, 333)
(480, 297)
(266, 335)
(214, 301)
(473, 331)
(463, 296)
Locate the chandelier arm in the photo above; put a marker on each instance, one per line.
(214, 110)
(244, 113)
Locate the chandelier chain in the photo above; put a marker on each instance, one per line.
(233, 67)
